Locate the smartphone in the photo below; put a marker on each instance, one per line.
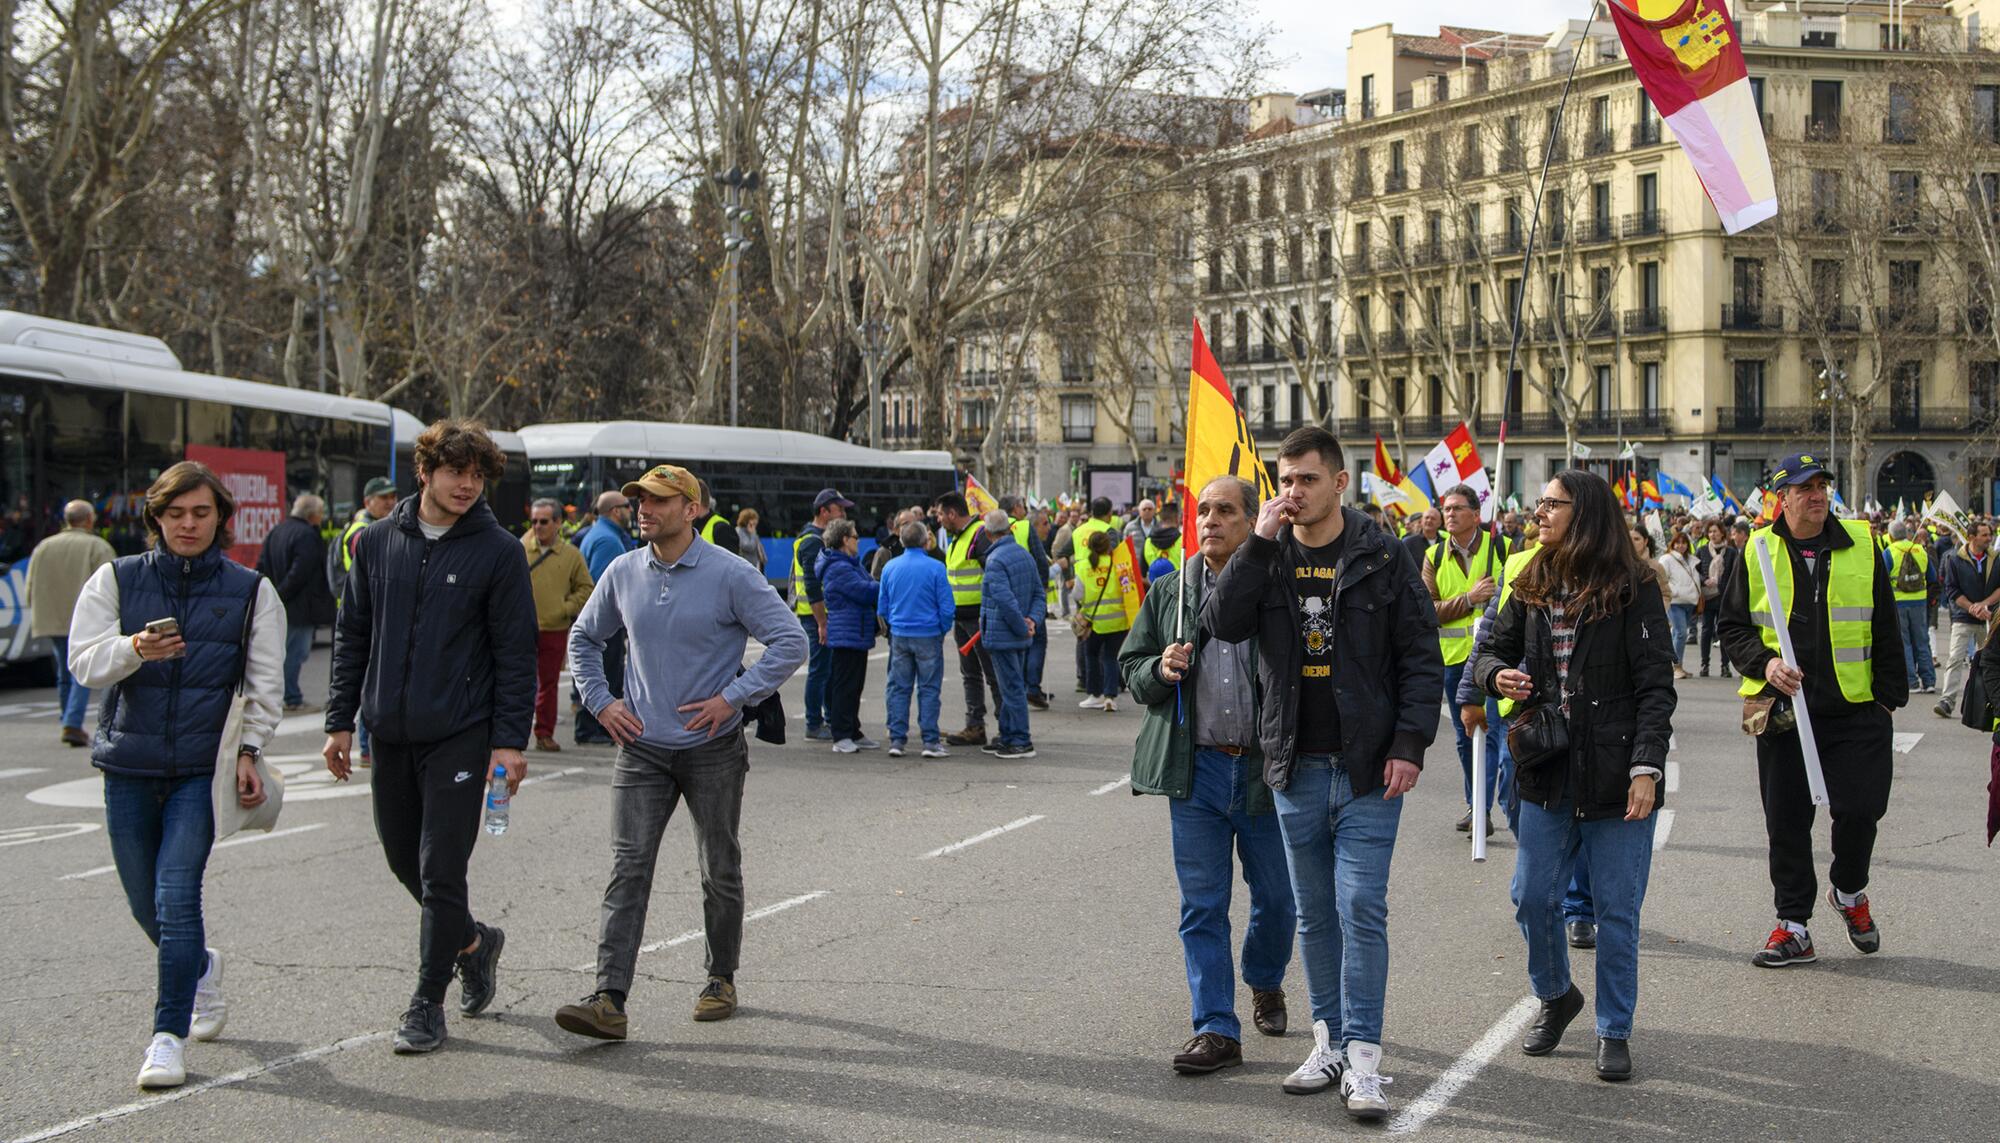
(166, 628)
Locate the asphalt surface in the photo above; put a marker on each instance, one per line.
(1027, 986)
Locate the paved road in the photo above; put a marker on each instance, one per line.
(1028, 985)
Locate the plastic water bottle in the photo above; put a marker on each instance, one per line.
(497, 801)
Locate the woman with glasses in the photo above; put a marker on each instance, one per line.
(1594, 709)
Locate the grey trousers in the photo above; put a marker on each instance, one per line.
(647, 783)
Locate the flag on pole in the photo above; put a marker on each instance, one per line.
(1395, 486)
(1721, 491)
(978, 501)
(1125, 567)
(1218, 438)
(1454, 461)
(1673, 487)
(1649, 495)
(1687, 58)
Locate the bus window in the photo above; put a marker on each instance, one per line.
(82, 438)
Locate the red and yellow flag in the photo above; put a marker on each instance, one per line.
(978, 501)
(1218, 438)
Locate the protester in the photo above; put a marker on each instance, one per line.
(293, 557)
(1098, 520)
(714, 527)
(1162, 550)
(1909, 576)
(1340, 758)
(916, 604)
(809, 603)
(1971, 584)
(1062, 549)
(1423, 533)
(1103, 600)
(964, 543)
(378, 499)
(748, 544)
(436, 650)
(608, 537)
(1988, 666)
(1038, 650)
(850, 633)
(1461, 574)
(1141, 524)
(1011, 610)
(1585, 614)
(689, 614)
(62, 564)
(1849, 690)
(1713, 562)
(560, 580)
(1198, 747)
(1683, 590)
(163, 727)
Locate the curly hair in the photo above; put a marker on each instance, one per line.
(179, 480)
(460, 444)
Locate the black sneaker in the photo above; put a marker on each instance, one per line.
(820, 733)
(1785, 947)
(991, 748)
(1582, 934)
(476, 970)
(422, 1029)
(1021, 750)
(1038, 701)
(1861, 930)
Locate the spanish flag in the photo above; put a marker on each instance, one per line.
(1395, 490)
(1218, 438)
(978, 501)
(1125, 567)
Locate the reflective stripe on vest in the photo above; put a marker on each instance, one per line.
(1850, 607)
(1455, 639)
(962, 570)
(800, 604)
(1513, 567)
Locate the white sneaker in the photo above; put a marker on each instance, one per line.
(1109, 705)
(211, 1012)
(1322, 1067)
(1361, 1084)
(845, 746)
(165, 1065)
(1091, 703)
(935, 750)
(866, 743)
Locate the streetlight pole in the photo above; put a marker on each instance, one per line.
(736, 182)
(1832, 376)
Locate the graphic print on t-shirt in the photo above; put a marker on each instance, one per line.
(1312, 582)
(1317, 624)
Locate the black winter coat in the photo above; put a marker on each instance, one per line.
(435, 636)
(1621, 698)
(294, 559)
(1391, 676)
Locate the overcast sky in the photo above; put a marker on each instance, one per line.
(1314, 33)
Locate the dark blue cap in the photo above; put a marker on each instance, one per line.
(1797, 469)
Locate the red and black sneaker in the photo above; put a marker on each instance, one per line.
(1785, 947)
(1861, 930)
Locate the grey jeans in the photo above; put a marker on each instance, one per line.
(647, 783)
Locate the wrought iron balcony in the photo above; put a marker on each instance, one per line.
(1753, 318)
(1648, 320)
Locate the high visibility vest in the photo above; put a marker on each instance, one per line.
(716, 523)
(1455, 639)
(361, 520)
(1020, 529)
(1154, 552)
(800, 604)
(1515, 564)
(1080, 539)
(961, 569)
(1103, 602)
(1850, 607)
(1897, 550)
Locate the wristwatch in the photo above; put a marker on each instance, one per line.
(254, 752)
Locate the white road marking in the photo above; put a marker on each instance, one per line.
(557, 774)
(1660, 831)
(1673, 742)
(1439, 1095)
(246, 839)
(955, 846)
(300, 724)
(21, 771)
(697, 934)
(165, 1098)
(28, 835)
(1673, 777)
(878, 656)
(1110, 786)
(1906, 740)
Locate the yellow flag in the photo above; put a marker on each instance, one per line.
(1218, 438)
(1131, 588)
(978, 501)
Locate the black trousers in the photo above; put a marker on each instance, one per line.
(429, 798)
(588, 729)
(975, 671)
(1855, 753)
(1709, 638)
(843, 691)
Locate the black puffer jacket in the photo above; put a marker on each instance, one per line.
(1621, 698)
(294, 558)
(1390, 678)
(435, 636)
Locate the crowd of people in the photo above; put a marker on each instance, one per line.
(1289, 663)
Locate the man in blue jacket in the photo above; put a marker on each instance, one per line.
(1011, 609)
(606, 539)
(435, 646)
(917, 605)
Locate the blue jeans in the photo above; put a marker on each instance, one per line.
(1499, 779)
(1912, 616)
(1038, 655)
(819, 667)
(73, 697)
(1620, 854)
(1577, 905)
(298, 645)
(1338, 848)
(1010, 673)
(1680, 617)
(1206, 824)
(915, 660)
(161, 830)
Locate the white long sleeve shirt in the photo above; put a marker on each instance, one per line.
(102, 655)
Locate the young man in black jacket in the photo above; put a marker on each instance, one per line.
(435, 645)
(1347, 655)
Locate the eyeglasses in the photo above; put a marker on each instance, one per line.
(1549, 504)
(545, 523)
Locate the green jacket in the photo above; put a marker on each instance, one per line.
(1163, 758)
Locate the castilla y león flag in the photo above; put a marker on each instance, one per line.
(1218, 438)
(1687, 57)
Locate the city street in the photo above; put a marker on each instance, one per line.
(966, 948)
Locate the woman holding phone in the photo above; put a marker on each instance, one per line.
(171, 632)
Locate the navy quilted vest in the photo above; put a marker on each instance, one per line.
(165, 721)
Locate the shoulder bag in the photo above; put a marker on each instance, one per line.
(230, 816)
(1079, 622)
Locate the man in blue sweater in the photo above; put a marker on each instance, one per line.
(917, 605)
(1012, 607)
(605, 540)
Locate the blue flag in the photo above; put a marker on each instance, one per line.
(1672, 487)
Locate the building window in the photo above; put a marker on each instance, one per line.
(1267, 405)
(1143, 431)
(1983, 393)
(1267, 197)
(1295, 188)
(1986, 113)
(1298, 392)
(1906, 397)
(1649, 195)
(1601, 389)
(1079, 419)
(1295, 257)
(1649, 377)
(1824, 122)
(1215, 271)
(1367, 97)
(1436, 396)
(1749, 393)
(1757, 93)
(1649, 286)
(1325, 251)
(1326, 328)
(1239, 202)
(1397, 167)
(1242, 339)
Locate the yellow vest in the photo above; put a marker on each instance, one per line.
(1897, 549)
(1515, 564)
(1455, 639)
(1103, 601)
(1079, 540)
(1154, 552)
(961, 569)
(714, 524)
(1850, 606)
(800, 604)
(361, 520)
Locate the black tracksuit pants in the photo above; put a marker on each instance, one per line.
(1856, 751)
(429, 800)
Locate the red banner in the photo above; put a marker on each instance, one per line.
(257, 480)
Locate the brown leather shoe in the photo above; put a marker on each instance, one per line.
(596, 1016)
(970, 736)
(548, 744)
(1267, 1010)
(717, 1000)
(74, 736)
(1208, 1052)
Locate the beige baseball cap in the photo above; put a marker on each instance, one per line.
(665, 480)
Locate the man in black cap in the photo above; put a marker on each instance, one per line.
(810, 606)
(1840, 608)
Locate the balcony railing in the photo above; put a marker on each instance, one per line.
(1405, 100)
(1600, 143)
(1834, 319)
(1560, 152)
(1644, 224)
(1360, 262)
(1907, 318)
(1599, 322)
(1428, 253)
(1645, 134)
(1365, 107)
(1903, 133)
(1507, 242)
(1469, 335)
(1756, 318)
(1599, 422)
(1471, 165)
(1811, 420)
(1599, 228)
(1361, 185)
(1650, 319)
(1512, 156)
(1822, 130)
(1396, 181)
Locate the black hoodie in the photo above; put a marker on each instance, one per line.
(435, 636)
